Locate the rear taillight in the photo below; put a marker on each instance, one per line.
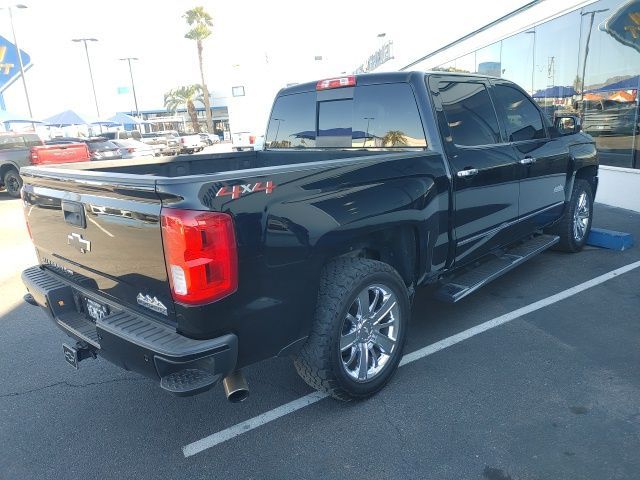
(34, 156)
(131, 150)
(252, 139)
(182, 140)
(26, 215)
(201, 257)
(348, 81)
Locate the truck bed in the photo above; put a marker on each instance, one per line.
(204, 164)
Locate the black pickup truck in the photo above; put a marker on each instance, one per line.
(188, 269)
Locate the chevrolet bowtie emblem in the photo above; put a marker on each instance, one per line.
(79, 243)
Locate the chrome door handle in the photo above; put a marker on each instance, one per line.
(528, 161)
(467, 173)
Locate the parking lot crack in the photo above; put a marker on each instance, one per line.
(68, 384)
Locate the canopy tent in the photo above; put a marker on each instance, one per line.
(626, 84)
(555, 92)
(66, 118)
(124, 119)
(105, 123)
(10, 117)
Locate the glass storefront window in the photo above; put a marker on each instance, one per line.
(609, 100)
(488, 60)
(466, 63)
(556, 63)
(517, 59)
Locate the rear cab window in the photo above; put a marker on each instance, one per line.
(381, 116)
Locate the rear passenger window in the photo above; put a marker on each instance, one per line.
(378, 116)
(470, 114)
(10, 141)
(32, 140)
(293, 122)
(522, 118)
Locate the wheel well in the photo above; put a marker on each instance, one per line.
(397, 247)
(589, 174)
(5, 168)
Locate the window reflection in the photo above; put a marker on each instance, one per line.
(609, 101)
(517, 59)
(586, 63)
(470, 114)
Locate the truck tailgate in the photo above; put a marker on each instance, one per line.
(103, 236)
(62, 153)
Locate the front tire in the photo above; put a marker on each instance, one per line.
(13, 183)
(574, 226)
(359, 330)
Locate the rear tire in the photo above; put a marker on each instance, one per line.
(13, 183)
(575, 224)
(359, 329)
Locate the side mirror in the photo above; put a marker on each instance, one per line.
(567, 125)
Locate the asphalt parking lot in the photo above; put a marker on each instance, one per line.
(552, 393)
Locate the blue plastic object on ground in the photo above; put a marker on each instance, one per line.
(599, 237)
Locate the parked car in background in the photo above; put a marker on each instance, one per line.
(191, 143)
(99, 147)
(122, 135)
(163, 143)
(209, 138)
(62, 153)
(608, 117)
(18, 150)
(243, 141)
(134, 149)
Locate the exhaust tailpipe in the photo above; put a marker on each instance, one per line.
(235, 387)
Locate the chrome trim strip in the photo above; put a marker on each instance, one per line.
(508, 224)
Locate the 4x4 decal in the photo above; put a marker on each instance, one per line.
(238, 190)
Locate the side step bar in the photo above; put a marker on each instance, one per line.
(471, 280)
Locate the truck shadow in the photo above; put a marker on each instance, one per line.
(4, 196)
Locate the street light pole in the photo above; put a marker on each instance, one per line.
(15, 42)
(133, 85)
(586, 48)
(93, 86)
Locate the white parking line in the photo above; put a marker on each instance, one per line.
(262, 419)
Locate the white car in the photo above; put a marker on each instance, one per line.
(247, 141)
(191, 143)
(134, 149)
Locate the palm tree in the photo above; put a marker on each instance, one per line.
(185, 96)
(394, 138)
(200, 22)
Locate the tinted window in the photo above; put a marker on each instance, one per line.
(522, 118)
(378, 116)
(32, 140)
(386, 116)
(470, 114)
(8, 142)
(293, 122)
(100, 146)
(334, 123)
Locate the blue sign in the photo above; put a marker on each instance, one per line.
(624, 24)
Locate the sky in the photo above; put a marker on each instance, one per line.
(249, 38)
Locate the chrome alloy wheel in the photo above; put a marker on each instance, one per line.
(581, 217)
(369, 332)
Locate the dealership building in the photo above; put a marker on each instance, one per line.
(573, 57)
